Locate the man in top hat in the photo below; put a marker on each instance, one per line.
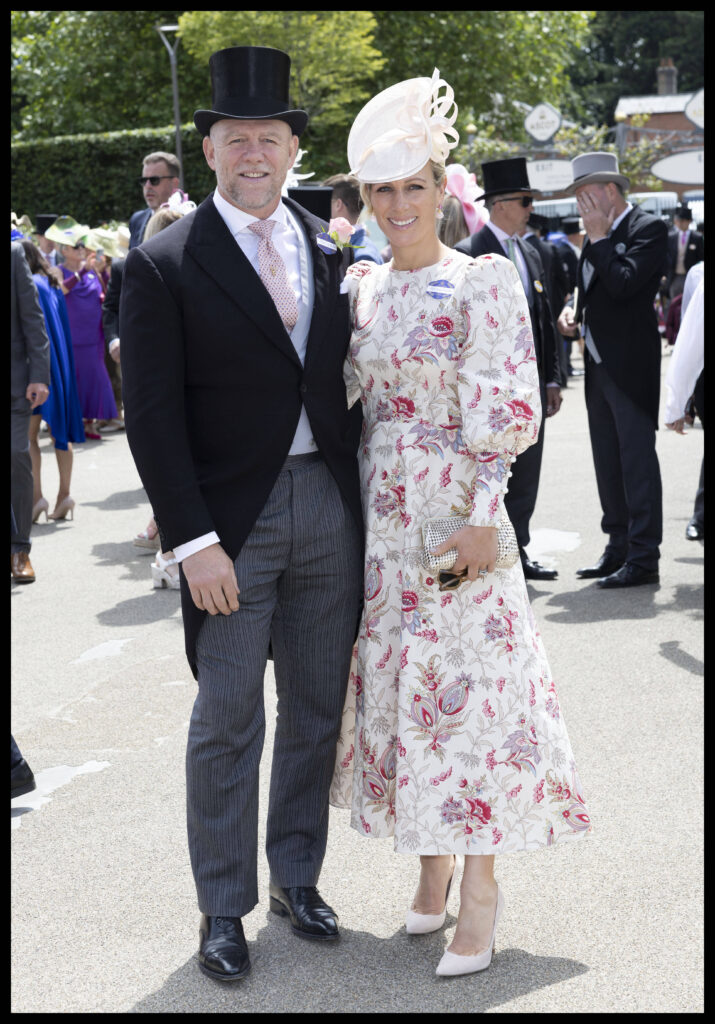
(347, 203)
(161, 175)
(556, 277)
(685, 249)
(509, 198)
(234, 333)
(618, 276)
(44, 244)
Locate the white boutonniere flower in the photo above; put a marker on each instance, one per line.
(336, 236)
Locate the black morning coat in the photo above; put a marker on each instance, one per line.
(620, 304)
(485, 242)
(213, 387)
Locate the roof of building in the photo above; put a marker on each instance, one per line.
(671, 103)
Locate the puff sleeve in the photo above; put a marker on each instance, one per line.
(497, 380)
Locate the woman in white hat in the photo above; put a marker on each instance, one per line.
(452, 740)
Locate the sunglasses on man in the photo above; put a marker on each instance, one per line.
(154, 179)
(524, 200)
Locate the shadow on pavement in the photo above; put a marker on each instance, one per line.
(670, 649)
(123, 499)
(592, 604)
(152, 607)
(360, 973)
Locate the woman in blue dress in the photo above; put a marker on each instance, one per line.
(62, 410)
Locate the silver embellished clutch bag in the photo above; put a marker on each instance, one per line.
(435, 531)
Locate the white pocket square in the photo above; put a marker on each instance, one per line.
(344, 287)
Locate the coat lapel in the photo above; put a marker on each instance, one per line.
(213, 247)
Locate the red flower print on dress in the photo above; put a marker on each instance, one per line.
(442, 326)
(491, 322)
(445, 475)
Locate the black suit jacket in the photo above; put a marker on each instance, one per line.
(110, 306)
(137, 225)
(619, 304)
(213, 386)
(557, 282)
(542, 320)
(694, 251)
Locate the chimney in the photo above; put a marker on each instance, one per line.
(667, 77)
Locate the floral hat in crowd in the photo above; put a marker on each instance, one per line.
(66, 231)
(401, 128)
(463, 186)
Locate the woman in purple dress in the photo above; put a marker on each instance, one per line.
(83, 288)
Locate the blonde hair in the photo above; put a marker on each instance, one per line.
(438, 174)
(160, 220)
(452, 228)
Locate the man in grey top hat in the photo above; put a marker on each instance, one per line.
(234, 334)
(619, 273)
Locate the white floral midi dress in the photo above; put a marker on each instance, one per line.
(452, 740)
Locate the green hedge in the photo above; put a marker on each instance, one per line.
(93, 178)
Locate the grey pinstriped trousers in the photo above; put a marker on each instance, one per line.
(300, 577)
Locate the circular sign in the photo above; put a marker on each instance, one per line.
(549, 175)
(684, 168)
(695, 108)
(542, 122)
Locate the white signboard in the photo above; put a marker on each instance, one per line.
(549, 175)
(695, 108)
(685, 168)
(542, 122)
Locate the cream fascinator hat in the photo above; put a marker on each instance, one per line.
(401, 128)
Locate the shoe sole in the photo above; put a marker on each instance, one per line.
(223, 977)
(277, 908)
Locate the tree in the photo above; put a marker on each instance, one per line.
(622, 54)
(497, 62)
(96, 71)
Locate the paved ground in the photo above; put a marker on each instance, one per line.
(104, 916)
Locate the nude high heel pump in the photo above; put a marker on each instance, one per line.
(452, 964)
(40, 506)
(63, 509)
(421, 924)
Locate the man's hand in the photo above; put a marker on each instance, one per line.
(476, 548)
(36, 394)
(596, 223)
(553, 399)
(114, 349)
(677, 425)
(212, 580)
(566, 323)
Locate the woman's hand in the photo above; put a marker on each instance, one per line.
(476, 549)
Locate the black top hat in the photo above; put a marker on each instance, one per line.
(510, 175)
(537, 220)
(250, 82)
(44, 221)
(571, 225)
(314, 198)
(684, 212)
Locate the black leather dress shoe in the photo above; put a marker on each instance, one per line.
(629, 575)
(223, 953)
(606, 565)
(536, 571)
(310, 916)
(694, 532)
(21, 779)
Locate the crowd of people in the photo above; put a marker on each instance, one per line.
(371, 391)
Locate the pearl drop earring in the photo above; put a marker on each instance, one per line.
(440, 215)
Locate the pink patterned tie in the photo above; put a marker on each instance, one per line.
(273, 273)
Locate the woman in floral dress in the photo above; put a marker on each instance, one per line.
(452, 737)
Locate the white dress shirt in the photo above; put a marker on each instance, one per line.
(688, 358)
(286, 239)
